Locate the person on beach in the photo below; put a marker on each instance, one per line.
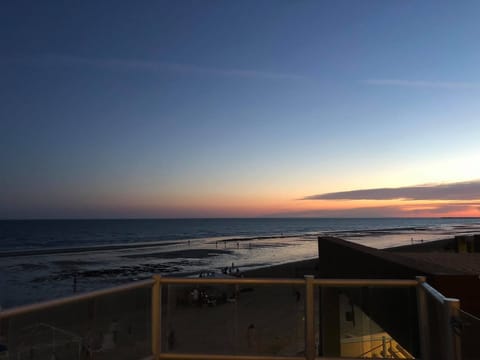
(2, 337)
(110, 338)
(74, 283)
(3, 345)
(252, 338)
(92, 342)
(195, 296)
(171, 340)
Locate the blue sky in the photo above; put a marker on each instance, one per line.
(210, 108)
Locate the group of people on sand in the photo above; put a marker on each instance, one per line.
(201, 297)
(204, 274)
(232, 270)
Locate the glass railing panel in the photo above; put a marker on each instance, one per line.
(368, 322)
(233, 319)
(116, 325)
(469, 329)
(196, 318)
(271, 320)
(436, 326)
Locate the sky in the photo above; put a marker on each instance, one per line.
(169, 109)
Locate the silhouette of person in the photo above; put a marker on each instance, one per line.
(171, 340)
(252, 337)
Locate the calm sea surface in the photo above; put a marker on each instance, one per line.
(33, 234)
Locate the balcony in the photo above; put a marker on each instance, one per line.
(243, 319)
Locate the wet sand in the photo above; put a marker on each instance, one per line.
(38, 275)
(181, 254)
(80, 249)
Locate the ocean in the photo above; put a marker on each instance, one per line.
(40, 258)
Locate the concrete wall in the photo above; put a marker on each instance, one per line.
(342, 259)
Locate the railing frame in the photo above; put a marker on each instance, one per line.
(309, 318)
(75, 298)
(309, 282)
(452, 315)
(157, 317)
(451, 306)
(422, 311)
(451, 347)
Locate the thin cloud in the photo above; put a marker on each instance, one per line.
(116, 64)
(469, 190)
(379, 211)
(443, 209)
(423, 84)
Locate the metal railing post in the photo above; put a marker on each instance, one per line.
(453, 341)
(309, 318)
(423, 328)
(156, 317)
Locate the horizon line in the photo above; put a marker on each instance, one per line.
(236, 218)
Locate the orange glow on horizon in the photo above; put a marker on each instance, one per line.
(259, 206)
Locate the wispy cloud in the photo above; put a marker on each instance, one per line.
(469, 190)
(423, 84)
(378, 211)
(119, 64)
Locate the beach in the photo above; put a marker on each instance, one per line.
(38, 274)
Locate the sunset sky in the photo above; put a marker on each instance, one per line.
(239, 108)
